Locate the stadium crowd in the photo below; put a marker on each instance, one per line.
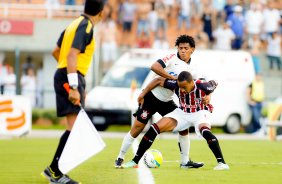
(253, 25)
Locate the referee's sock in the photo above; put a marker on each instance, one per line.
(54, 165)
(146, 142)
(213, 144)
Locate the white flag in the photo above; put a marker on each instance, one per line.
(84, 141)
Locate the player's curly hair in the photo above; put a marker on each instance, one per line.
(93, 7)
(185, 39)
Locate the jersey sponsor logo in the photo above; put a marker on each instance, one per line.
(168, 57)
(173, 73)
(144, 114)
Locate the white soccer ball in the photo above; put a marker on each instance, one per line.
(153, 158)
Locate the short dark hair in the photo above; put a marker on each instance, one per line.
(93, 7)
(184, 76)
(185, 39)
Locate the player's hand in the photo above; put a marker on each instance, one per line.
(206, 99)
(74, 97)
(140, 100)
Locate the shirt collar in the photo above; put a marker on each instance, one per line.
(189, 61)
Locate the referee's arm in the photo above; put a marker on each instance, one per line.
(57, 49)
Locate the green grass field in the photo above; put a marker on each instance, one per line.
(255, 162)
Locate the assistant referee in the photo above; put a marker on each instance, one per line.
(74, 52)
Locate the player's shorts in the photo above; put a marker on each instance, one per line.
(186, 120)
(64, 106)
(152, 105)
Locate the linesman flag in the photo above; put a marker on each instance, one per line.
(83, 142)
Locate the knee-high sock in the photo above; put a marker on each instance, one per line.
(213, 144)
(126, 143)
(184, 147)
(146, 142)
(60, 148)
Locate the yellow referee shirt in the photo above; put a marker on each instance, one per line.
(79, 35)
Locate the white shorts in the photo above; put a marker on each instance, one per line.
(186, 120)
(109, 51)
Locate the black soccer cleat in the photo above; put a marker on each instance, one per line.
(118, 162)
(61, 179)
(191, 164)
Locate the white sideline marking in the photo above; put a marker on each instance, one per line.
(239, 163)
(144, 174)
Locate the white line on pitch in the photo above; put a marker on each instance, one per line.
(144, 174)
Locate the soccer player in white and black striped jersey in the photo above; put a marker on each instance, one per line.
(161, 99)
(192, 112)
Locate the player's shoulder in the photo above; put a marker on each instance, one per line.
(169, 56)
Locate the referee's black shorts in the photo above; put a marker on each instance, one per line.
(64, 106)
(152, 105)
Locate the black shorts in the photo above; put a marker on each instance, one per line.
(64, 106)
(152, 105)
(127, 26)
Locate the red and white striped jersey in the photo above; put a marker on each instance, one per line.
(192, 102)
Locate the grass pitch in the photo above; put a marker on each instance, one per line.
(251, 162)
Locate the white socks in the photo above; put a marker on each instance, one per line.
(184, 143)
(126, 143)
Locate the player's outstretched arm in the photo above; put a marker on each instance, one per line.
(154, 83)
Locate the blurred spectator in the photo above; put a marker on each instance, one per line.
(254, 21)
(162, 20)
(218, 6)
(254, 46)
(161, 43)
(236, 22)
(153, 19)
(108, 35)
(207, 19)
(274, 50)
(39, 86)
(3, 73)
(223, 36)
(28, 85)
(70, 2)
(255, 98)
(128, 9)
(52, 4)
(201, 38)
(143, 41)
(142, 18)
(271, 20)
(184, 13)
(28, 64)
(10, 82)
(228, 9)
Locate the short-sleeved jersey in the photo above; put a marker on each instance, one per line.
(173, 65)
(79, 35)
(192, 102)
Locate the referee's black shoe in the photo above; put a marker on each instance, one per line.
(191, 164)
(61, 179)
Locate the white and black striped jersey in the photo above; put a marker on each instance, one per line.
(173, 65)
(192, 102)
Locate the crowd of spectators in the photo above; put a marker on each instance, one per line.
(254, 25)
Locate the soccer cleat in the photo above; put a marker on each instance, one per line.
(61, 179)
(221, 166)
(130, 164)
(118, 162)
(191, 164)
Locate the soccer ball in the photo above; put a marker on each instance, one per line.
(153, 158)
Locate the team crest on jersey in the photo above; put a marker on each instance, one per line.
(144, 115)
